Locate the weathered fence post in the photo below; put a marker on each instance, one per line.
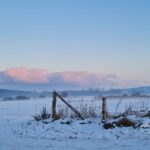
(104, 111)
(54, 105)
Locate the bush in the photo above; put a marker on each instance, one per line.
(22, 98)
(8, 98)
(123, 122)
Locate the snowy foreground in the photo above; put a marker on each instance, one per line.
(18, 131)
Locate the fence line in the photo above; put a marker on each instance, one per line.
(98, 105)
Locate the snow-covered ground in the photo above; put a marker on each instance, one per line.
(18, 130)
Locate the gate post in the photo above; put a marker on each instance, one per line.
(104, 111)
(54, 105)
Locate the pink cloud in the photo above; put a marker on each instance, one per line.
(28, 75)
(81, 79)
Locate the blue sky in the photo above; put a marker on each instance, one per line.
(104, 36)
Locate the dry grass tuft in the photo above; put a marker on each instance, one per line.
(44, 115)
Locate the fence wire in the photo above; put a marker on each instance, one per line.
(92, 105)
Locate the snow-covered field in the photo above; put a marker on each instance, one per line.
(18, 130)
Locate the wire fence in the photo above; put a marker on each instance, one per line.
(92, 105)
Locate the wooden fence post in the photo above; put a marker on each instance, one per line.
(104, 111)
(54, 105)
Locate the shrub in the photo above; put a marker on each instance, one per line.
(8, 98)
(123, 122)
(22, 98)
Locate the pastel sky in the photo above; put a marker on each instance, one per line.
(71, 42)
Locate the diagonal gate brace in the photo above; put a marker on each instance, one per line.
(55, 95)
